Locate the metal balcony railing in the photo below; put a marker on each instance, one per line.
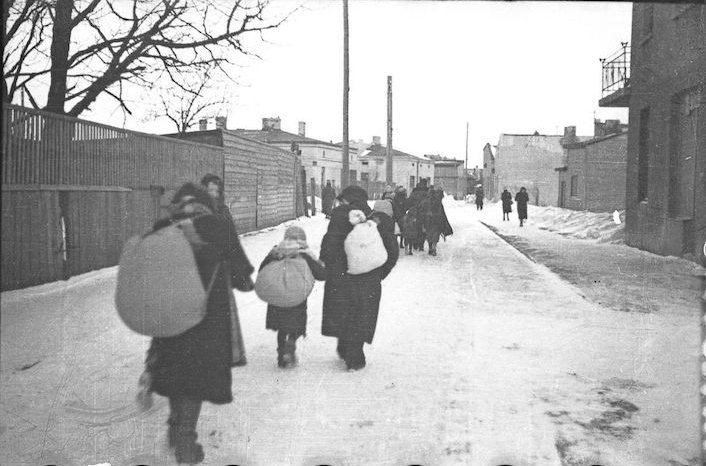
(616, 70)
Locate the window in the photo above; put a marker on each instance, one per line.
(643, 155)
(364, 176)
(574, 185)
(314, 163)
(365, 164)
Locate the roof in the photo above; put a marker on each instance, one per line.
(449, 162)
(378, 150)
(587, 141)
(277, 136)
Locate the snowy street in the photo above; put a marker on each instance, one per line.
(481, 357)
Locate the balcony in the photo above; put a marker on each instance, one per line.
(616, 78)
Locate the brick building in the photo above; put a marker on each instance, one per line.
(529, 160)
(490, 179)
(666, 94)
(593, 177)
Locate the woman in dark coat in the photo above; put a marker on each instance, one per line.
(506, 198)
(399, 209)
(290, 322)
(351, 302)
(195, 366)
(328, 194)
(242, 268)
(434, 219)
(480, 195)
(522, 198)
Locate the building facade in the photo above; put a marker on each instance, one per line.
(529, 160)
(490, 179)
(407, 169)
(593, 177)
(666, 93)
(450, 175)
(321, 160)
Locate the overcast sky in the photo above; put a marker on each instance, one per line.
(503, 67)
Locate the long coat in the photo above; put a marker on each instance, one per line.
(328, 194)
(351, 302)
(237, 271)
(291, 319)
(522, 198)
(434, 220)
(197, 363)
(506, 198)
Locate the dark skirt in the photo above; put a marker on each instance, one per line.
(289, 320)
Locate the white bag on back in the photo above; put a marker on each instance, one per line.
(364, 248)
(159, 291)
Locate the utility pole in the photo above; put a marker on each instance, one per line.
(466, 146)
(345, 171)
(388, 178)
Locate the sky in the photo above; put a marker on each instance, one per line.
(500, 67)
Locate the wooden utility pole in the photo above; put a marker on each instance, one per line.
(345, 171)
(466, 166)
(388, 178)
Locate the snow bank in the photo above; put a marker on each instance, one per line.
(597, 226)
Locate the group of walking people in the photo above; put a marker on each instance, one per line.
(419, 218)
(522, 198)
(195, 366)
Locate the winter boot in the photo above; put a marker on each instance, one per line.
(287, 357)
(341, 348)
(355, 357)
(188, 450)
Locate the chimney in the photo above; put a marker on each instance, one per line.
(302, 128)
(376, 140)
(221, 122)
(569, 135)
(203, 124)
(271, 123)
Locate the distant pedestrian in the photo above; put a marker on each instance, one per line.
(388, 193)
(411, 226)
(480, 195)
(290, 322)
(242, 268)
(522, 198)
(328, 195)
(351, 302)
(506, 198)
(195, 366)
(398, 211)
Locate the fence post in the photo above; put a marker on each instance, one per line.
(303, 178)
(313, 196)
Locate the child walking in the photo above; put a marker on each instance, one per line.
(290, 322)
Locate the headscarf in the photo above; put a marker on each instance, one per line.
(294, 242)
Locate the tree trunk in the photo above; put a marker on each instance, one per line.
(61, 41)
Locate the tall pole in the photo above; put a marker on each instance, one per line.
(388, 178)
(466, 145)
(345, 171)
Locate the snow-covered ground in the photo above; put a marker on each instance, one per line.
(482, 356)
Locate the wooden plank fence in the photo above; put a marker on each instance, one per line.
(73, 191)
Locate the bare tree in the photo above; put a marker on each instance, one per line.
(25, 32)
(202, 96)
(100, 46)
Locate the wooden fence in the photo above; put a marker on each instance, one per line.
(74, 190)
